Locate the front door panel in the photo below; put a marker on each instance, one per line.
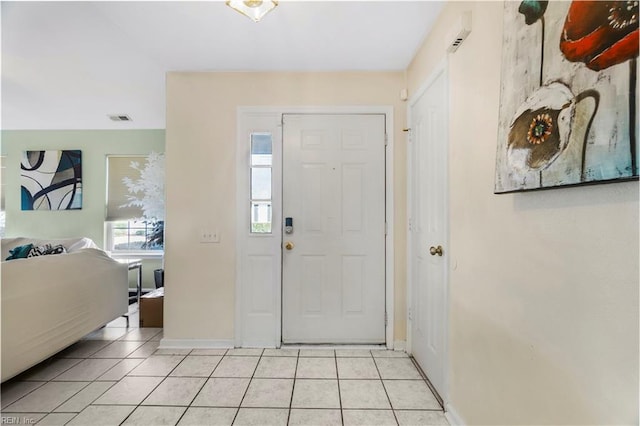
(334, 193)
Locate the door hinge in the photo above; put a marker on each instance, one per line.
(409, 313)
(386, 139)
(386, 228)
(386, 320)
(410, 224)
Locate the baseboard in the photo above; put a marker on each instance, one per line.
(398, 345)
(452, 416)
(195, 344)
(326, 346)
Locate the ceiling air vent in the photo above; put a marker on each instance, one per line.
(119, 117)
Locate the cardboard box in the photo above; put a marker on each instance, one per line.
(151, 308)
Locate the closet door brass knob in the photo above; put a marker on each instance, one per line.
(288, 245)
(435, 250)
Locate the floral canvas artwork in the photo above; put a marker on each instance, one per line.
(568, 94)
(51, 180)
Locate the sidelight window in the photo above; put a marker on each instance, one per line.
(261, 183)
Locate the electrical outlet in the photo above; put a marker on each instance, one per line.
(209, 236)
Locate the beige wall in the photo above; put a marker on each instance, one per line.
(201, 147)
(543, 285)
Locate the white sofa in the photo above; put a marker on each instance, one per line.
(50, 302)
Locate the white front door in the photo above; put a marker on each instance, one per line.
(333, 261)
(428, 226)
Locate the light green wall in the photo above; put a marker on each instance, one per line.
(95, 146)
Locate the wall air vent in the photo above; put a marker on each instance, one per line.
(120, 117)
(460, 31)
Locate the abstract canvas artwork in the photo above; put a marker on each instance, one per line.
(51, 180)
(568, 94)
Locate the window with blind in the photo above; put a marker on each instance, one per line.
(2, 192)
(124, 233)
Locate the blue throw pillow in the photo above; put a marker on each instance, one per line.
(20, 252)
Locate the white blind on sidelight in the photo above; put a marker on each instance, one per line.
(119, 167)
(2, 181)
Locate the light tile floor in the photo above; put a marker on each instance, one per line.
(118, 376)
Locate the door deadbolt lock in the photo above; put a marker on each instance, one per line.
(288, 245)
(435, 250)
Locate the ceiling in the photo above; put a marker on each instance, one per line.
(68, 65)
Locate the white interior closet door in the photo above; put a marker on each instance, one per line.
(428, 277)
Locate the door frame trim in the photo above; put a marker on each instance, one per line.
(441, 68)
(245, 112)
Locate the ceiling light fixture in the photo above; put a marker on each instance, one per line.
(254, 9)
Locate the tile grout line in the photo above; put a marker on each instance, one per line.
(335, 357)
(293, 387)
(179, 377)
(424, 377)
(386, 393)
(45, 382)
(75, 414)
(248, 385)
(152, 390)
(52, 380)
(201, 387)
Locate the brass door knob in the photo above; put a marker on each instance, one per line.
(435, 250)
(288, 245)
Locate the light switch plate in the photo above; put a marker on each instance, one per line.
(209, 236)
